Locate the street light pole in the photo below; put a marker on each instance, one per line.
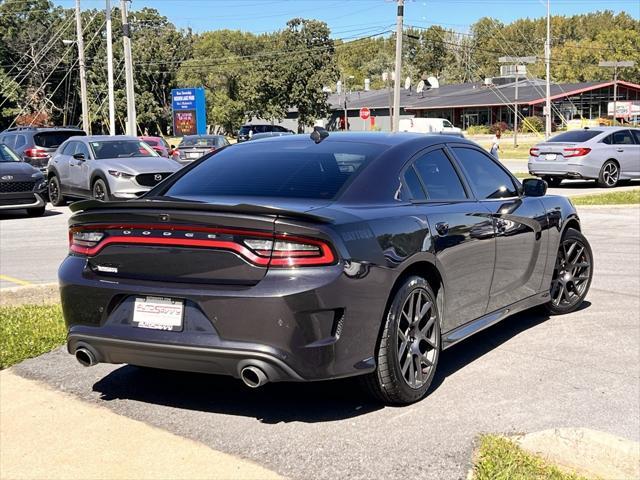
(396, 85)
(86, 125)
(615, 65)
(112, 107)
(547, 56)
(128, 66)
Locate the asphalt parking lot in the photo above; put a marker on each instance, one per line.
(527, 374)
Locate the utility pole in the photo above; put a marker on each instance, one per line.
(132, 128)
(396, 85)
(346, 112)
(547, 59)
(615, 66)
(516, 62)
(112, 107)
(86, 124)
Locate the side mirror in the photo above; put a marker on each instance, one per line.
(534, 187)
(79, 156)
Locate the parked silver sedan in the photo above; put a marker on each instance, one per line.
(105, 168)
(608, 155)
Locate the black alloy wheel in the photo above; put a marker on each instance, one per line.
(100, 190)
(409, 345)
(55, 193)
(572, 273)
(553, 181)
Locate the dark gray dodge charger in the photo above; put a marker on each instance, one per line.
(305, 258)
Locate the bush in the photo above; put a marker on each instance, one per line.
(502, 126)
(478, 130)
(533, 125)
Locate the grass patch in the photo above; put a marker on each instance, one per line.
(524, 175)
(28, 331)
(499, 458)
(610, 198)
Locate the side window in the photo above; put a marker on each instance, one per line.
(623, 137)
(412, 182)
(10, 140)
(82, 148)
(21, 141)
(608, 139)
(636, 134)
(487, 178)
(69, 148)
(439, 177)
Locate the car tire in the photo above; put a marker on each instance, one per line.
(609, 174)
(36, 212)
(55, 192)
(409, 346)
(572, 273)
(100, 190)
(553, 181)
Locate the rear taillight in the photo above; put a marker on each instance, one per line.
(36, 153)
(575, 152)
(259, 248)
(534, 152)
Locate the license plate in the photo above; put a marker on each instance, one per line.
(193, 155)
(550, 156)
(158, 313)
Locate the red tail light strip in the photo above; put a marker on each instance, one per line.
(325, 256)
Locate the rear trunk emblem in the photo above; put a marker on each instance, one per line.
(157, 177)
(164, 217)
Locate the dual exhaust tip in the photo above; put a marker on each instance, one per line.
(253, 377)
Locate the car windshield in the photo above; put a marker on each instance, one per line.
(201, 142)
(121, 149)
(286, 169)
(575, 136)
(7, 155)
(55, 139)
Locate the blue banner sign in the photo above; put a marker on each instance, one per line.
(189, 111)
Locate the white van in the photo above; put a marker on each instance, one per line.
(429, 125)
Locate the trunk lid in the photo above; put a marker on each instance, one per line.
(175, 242)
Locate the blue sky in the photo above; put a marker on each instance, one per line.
(355, 18)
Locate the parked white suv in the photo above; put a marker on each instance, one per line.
(429, 125)
(605, 154)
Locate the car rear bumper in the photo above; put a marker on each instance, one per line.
(20, 201)
(563, 169)
(312, 325)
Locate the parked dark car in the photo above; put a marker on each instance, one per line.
(247, 131)
(21, 185)
(35, 145)
(193, 147)
(305, 259)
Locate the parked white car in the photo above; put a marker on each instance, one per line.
(429, 125)
(605, 154)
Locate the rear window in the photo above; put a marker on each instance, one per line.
(151, 142)
(54, 139)
(575, 136)
(202, 142)
(285, 169)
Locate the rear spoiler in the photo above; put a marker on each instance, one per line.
(246, 208)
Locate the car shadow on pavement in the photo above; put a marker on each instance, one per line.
(18, 214)
(290, 402)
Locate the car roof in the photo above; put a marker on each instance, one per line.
(103, 138)
(203, 136)
(379, 138)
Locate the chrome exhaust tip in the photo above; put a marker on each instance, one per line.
(85, 357)
(253, 377)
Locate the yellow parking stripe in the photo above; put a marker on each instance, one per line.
(17, 281)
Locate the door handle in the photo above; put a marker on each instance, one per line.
(620, 150)
(442, 228)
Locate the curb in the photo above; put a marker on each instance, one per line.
(585, 451)
(45, 293)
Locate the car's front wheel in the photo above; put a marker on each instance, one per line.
(100, 190)
(409, 345)
(572, 273)
(55, 192)
(609, 174)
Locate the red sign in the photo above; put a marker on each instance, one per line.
(364, 113)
